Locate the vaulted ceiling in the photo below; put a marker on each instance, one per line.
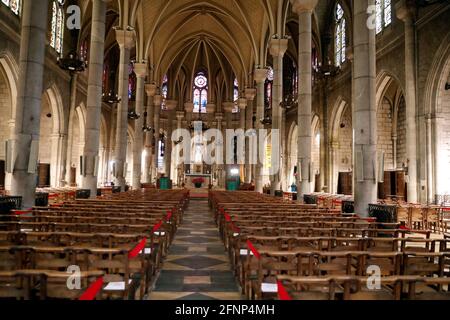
(226, 37)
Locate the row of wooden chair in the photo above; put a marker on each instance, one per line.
(267, 238)
(124, 242)
(364, 288)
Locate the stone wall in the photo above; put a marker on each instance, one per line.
(384, 119)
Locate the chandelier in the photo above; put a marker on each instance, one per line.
(289, 102)
(132, 115)
(111, 98)
(72, 63)
(323, 72)
(148, 129)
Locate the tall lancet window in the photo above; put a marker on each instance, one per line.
(268, 88)
(340, 44)
(236, 96)
(164, 91)
(14, 5)
(200, 92)
(132, 81)
(384, 14)
(57, 27)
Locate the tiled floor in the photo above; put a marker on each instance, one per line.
(197, 267)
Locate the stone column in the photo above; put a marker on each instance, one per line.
(210, 110)
(189, 109)
(150, 90)
(406, 11)
(228, 108)
(29, 95)
(364, 110)
(250, 94)
(334, 166)
(304, 9)
(242, 104)
(94, 98)
(126, 41)
(171, 105)
(220, 155)
(157, 100)
(140, 69)
(278, 48)
(112, 135)
(179, 166)
(58, 141)
(260, 76)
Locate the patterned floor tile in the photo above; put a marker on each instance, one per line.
(197, 267)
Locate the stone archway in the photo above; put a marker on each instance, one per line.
(52, 138)
(438, 119)
(341, 145)
(8, 95)
(75, 146)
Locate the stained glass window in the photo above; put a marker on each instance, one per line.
(268, 88)
(236, 96)
(200, 92)
(384, 14)
(84, 50)
(164, 91)
(57, 27)
(14, 5)
(131, 83)
(340, 36)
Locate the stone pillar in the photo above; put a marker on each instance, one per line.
(179, 166)
(250, 94)
(126, 41)
(304, 9)
(220, 143)
(334, 166)
(58, 141)
(171, 105)
(260, 76)
(157, 100)
(140, 70)
(406, 11)
(242, 104)
(228, 108)
(210, 110)
(29, 95)
(364, 110)
(150, 90)
(112, 136)
(278, 48)
(94, 98)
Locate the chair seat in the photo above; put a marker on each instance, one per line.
(116, 286)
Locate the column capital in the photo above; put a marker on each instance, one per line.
(171, 104)
(228, 106)
(157, 100)
(260, 75)
(405, 10)
(250, 94)
(210, 108)
(278, 47)
(242, 103)
(189, 107)
(301, 6)
(125, 38)
(140, 69)
(150, 89)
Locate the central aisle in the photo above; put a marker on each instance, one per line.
(197, 266)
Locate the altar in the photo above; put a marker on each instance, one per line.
(190, 178)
